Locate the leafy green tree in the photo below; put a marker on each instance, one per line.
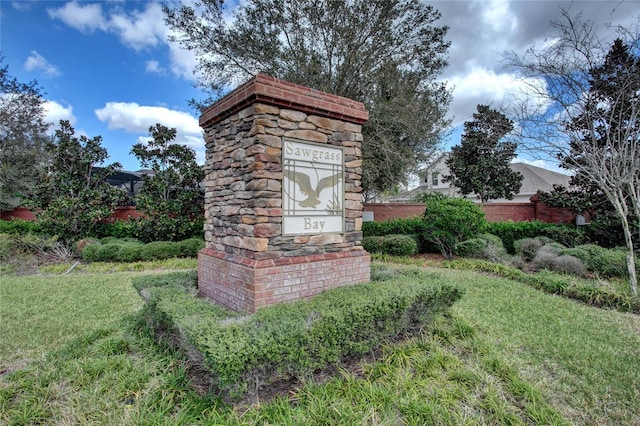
(172, 196)
(591, 118)
(387, 54)
(23, 139)
(73, 197)
(480, 164)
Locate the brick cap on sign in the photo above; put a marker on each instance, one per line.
(267, 263)
(272, 91)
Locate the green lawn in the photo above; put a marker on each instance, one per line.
(508, 354)
(42, 312)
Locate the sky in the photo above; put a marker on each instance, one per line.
(108, 67)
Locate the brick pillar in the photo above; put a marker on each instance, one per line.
(283, 211)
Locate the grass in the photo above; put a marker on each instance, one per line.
(39, 313)
(507, 354)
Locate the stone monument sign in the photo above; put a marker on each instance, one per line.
(283, 211)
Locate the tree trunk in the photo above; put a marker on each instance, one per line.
(631, 262)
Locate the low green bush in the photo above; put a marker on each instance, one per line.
(567, 235)
(394, 245)
(293, 340)
(90, 252)
(512, 231)
(19, 226)
(130, 252)
(372, 243)
(550, 257)
(471, 248)
(160, 250)
(190, 247)
(604, 262)
(108, 252)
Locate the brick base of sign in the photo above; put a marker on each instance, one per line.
(243, 284)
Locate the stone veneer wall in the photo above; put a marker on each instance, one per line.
(243, 184)
(247, 262)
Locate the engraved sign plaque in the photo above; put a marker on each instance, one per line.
(312, 189)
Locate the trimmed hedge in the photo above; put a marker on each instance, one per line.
(394, 245)
(293, 340)
(509, 232)
(111, 249)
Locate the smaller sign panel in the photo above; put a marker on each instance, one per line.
(312, 188)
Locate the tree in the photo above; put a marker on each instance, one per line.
(480, 164)
(172, 195)
(384, 53)
(23, 139)
(73, 197)
(587, 114)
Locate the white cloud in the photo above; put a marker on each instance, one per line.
(154, 67)
(54, 112)
(141, 29)
(137, 30)
(482, 86)
(138, 118)
(37, 62)
(135, 118)
(85, 18)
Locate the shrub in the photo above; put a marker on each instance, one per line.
(527, 248)
(513, 231)
(450, 221)
(544, 259)
(129, 252)
(90, 252)
(394, 245)
(108, 252)
(471, 248)
(117, 229)
(567, 235)
(409, 226)
(399, 245)
(168, 229)
(569, 265)
(550, 257)
(292, 340)
(19, 226)
(190, 247)
(606, 262)
(160, 250)
(486, 246)
(372, 244)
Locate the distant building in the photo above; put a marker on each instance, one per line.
(128, 180)
(535, 179)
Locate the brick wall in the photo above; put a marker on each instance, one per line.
(501, 212)
(495, 212)
(385, 211)
(245, 285)
(18, 213)
(121, 213)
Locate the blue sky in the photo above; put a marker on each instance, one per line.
(108, 68)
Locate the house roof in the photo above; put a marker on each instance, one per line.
(534, 179)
